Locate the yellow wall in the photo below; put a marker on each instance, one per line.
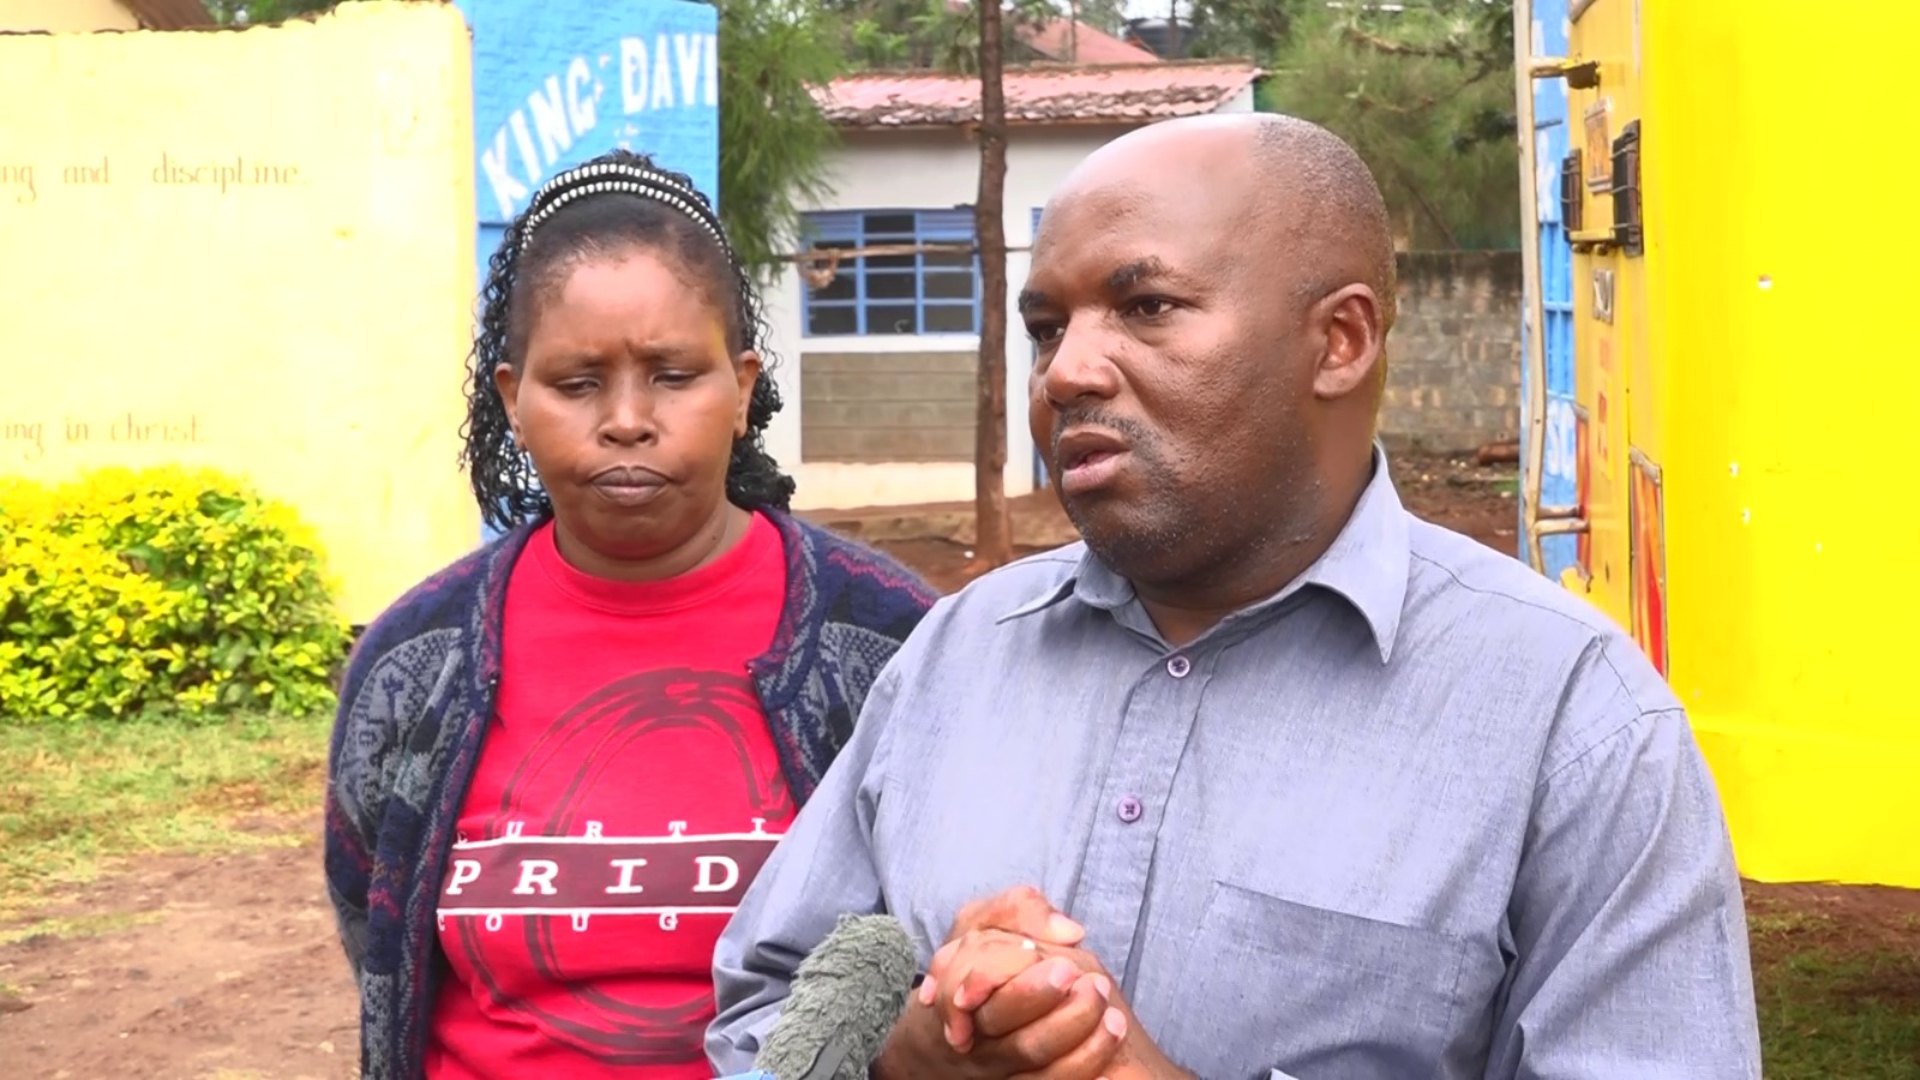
(1775, 391)
(252, 251)
(65, 15)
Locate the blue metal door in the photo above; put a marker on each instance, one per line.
(1559, 473)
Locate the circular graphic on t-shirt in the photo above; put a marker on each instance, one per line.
(669, 745)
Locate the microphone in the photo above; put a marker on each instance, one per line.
(846, 997)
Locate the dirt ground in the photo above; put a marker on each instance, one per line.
(228, 967)
(1477, 501)
(1454, 492)
(229, 971)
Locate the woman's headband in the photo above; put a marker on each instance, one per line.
(585, 180)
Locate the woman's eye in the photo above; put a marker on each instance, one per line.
(674, 378)
(576, 387)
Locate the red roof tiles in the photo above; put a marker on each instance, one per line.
(1037, 95)
(170, 14)
(1078, 43)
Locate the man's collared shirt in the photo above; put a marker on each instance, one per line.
(1420, 814)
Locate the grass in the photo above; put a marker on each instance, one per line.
(1835, 1001)
(77, 926)
(75, 798)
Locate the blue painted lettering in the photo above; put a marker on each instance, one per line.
(666, 71)
(507, 188)
(633, 75)
(662, 75)
(580, 104)
(686, 52)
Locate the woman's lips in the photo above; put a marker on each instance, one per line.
(628, 485)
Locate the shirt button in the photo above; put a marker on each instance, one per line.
(1130, 809)
(1179, 666)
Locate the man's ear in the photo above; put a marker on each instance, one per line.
(1355, 333)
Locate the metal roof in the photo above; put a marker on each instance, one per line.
(1037, 95)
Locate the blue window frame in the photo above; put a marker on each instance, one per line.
(928, 293)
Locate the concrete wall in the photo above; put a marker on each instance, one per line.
(879, 408)
(274, 283)
(1454, 355)
(61, 16)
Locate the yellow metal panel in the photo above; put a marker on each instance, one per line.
(251, 251)
(1767, 377)
(1609, 292)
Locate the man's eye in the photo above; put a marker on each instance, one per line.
(1151, 307)
(1042, 333)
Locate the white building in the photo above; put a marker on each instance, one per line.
(877, 364)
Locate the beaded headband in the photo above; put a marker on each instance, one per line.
(605, 177)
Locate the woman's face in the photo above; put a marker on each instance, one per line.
(629, 403)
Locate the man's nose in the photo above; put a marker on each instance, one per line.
(1081, 367)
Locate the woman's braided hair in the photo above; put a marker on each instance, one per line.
(618, 201)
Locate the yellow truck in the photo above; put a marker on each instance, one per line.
(1718, 382)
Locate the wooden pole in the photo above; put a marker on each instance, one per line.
(993, 528)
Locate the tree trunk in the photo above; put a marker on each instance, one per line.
(994, 531)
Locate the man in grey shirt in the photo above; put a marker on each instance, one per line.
(1267, 778)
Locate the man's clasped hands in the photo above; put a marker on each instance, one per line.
(1012, 996)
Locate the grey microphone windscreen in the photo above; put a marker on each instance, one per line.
(846, 997)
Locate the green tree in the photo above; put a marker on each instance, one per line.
(774, 142)
(1423, 90)
(1426, 96)
(944, 35)
(1252, 28)
(260, 12)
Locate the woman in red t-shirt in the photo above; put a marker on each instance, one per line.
(600, 816)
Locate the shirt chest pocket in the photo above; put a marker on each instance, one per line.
(1267, 983)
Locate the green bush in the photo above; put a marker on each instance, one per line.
(160, 591)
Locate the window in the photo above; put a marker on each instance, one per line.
(926, 293)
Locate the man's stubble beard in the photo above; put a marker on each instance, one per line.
(1159, 536)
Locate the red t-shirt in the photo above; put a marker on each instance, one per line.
(627, 792)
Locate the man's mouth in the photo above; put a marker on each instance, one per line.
(1089, 459)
